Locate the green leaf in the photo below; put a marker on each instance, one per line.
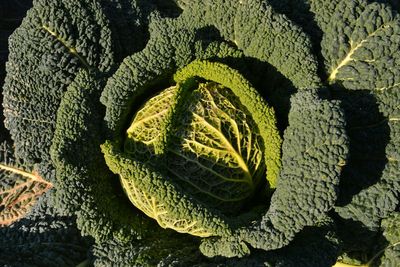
(217, 144)
(361, 51)
(145, 132)
(366, 55)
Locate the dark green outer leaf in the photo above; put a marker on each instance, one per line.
(315, 246)
(261, 33)
(85, 184)
(54, 41)
(366, 59)
(313, 153)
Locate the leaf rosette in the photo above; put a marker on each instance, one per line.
(300, 175)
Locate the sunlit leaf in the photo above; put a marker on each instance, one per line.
(19, 188)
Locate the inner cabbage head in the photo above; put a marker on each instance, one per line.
(205, 139)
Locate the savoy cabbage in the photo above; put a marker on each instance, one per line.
(204, 133)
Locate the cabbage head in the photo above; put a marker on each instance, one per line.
(199, 139)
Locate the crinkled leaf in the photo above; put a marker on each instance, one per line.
(159, 198)
(365, 57)
(19, 188)
(144, 133)
(54, 41)
(361, 52)
(217, 146)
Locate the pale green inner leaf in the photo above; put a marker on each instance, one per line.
(216, 130)
(156, 209)
(145, 131)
